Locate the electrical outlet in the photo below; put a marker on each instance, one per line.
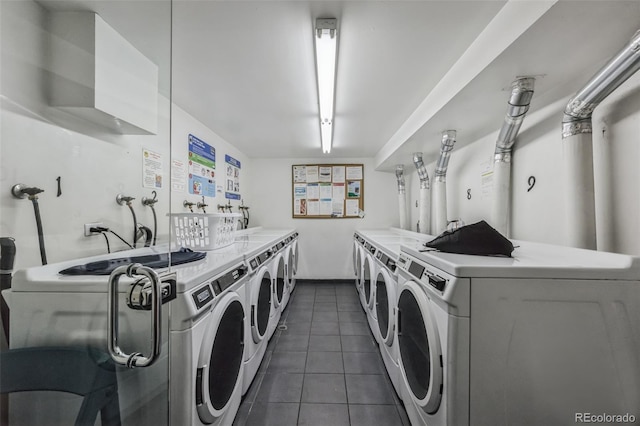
(88, 226)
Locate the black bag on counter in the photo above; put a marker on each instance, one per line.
(478, 238)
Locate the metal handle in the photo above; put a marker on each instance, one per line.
(135, 359)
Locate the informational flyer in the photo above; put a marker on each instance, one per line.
(178, 176)
(312, 174)
(313, 191)
(299, 190)
(151, 169)
(325, 207)
(313, 208)
(353, 189)
(352, 208)
(338, 191)
(233, 167)
(324, 174)
(354, 172)
(325, 190)
(338, 208)
(338, 174)
(299, 174)
(202, 164)
(300, 207)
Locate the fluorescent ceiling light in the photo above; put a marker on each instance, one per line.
(326, 49)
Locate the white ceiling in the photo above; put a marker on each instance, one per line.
(246, 68)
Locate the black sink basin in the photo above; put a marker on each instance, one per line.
(155, 261)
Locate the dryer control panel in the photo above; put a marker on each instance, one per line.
(419, 271)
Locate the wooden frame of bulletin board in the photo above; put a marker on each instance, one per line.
(327, 191)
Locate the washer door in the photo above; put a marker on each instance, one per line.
(220, 360)
(419, 343)
(288, 255)
(384, 306)
(369, 283)
(279, 276)
(260, 304)
(357, 263)
(294, 248)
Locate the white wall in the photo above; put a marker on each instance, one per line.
(325, 244)
(538, 215)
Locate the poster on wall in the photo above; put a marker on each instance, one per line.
(202, 165)
(233, 178)
(299, 174)
(151, 169)
(178, 175)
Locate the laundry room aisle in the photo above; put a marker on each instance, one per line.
(322, 367)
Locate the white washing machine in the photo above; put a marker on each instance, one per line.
(201, 331)
(548, 337)
(384, 294)
(261, 307)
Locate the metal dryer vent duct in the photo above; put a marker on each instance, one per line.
(521, 94)
(440, 179)
(402, 196)
(424, 216)
(577, 143)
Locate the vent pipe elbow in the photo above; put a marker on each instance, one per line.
(422, 170)
(448, 139)
(400, 178)
(521, 94)
(578, 112)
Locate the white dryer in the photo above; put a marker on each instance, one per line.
(202, 318)
(549, 336)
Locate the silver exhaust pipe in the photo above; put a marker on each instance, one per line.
(402, 196)
(580, 219)
(424, 212)
(521, 94)
(440, 179)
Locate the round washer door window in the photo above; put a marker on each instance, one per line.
(220, 361)
(384, 308)
(420, 354)
(367, 277)
(289, 265)
(280, 280)
(261, 305)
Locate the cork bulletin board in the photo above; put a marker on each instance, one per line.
(327, 191)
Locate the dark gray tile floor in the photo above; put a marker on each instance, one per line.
(322, 366)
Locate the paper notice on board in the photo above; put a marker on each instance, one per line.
(354, 172)
(325, 174)
(313, 208)
(312, 174)
(325, 207)
(353, 189)
(338, 174)
(299, 190)
(300, 207)
(313, 191)
(338, 191)
(325, 190)
(352, 208)
(338, 208)
(299, 174)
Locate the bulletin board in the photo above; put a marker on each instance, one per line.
(327, 191)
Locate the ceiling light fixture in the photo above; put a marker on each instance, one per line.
(326, 38)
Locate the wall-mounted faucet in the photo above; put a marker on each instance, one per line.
(21, 191)
(188, 205)
(122, 200)
(202, 205)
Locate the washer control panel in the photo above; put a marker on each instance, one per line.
(419, 271)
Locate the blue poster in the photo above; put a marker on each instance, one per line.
(202, 164)
(232, 190)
